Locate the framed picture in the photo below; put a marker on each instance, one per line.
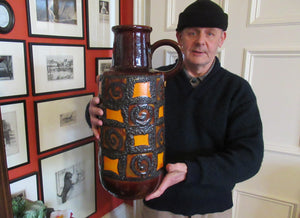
(102, 15)
(7, 17)
(55, 18)
(13, 69)
(15, 133)
(68, 180)
(26, 186)
(102, 64)
(57, 68)
(61, 121)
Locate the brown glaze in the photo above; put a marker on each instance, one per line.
(131, 158)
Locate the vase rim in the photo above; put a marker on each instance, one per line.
(132, 27)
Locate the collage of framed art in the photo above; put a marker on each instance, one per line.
(51, 52)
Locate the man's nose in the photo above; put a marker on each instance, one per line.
(200, 38)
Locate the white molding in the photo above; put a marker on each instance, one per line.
(139, 12)
(249, 55)
(171, 15)
(256, 19)
(292, 206)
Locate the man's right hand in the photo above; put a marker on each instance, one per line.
(95, 112)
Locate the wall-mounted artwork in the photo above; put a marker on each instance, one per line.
(13, 70)
(68, 180)
(102, 15)
(102, 64)
(57, 68)
(55, 18)
(61, 121)
(26, 187)
(15, 133)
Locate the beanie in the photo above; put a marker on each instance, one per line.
(203, 13)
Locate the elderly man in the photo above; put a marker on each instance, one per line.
(213, 127)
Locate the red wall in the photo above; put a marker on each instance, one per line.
(105, 202)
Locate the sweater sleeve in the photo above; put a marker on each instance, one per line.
(242, 152)
(87, 115)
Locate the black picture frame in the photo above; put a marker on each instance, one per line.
(25, 186)
(57, 68)
(99, 24)
(61, 121)
(13, 69)
(102, 64)
(75, 165)
(14, 120)
(8, 17)
(45, 18)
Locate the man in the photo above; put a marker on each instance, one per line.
(213, 127)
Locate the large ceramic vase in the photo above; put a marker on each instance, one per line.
(131, 156)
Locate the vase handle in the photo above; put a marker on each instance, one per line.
(173, 44)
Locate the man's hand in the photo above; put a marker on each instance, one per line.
(175, 173)
(95, 112)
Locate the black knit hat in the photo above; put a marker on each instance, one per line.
(203, 13)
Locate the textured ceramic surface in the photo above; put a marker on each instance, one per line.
(132, 141)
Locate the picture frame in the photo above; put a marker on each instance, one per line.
(103, 64)
(61, 121)
(57, 68)
(26, 187)
(13, 69)
(15, 133)
(7, 17)
(55, 18)
(102, 15)
(68, 180)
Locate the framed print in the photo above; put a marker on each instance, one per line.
(26, 187)
(15, 133)
(68, 180)
(61, 121)
(102, 64)
(13, 69)
(57, 68)
(55, 18)
(102, 15)
(7, 17)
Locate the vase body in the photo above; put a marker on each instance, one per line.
(131, 157)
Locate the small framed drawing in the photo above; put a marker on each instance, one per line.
(61, 121)
(15, 133)
(26, 187)
(102, 15)
(68, 180)
(13, 69)
(102, 64)
(57, 68)
(55, 18)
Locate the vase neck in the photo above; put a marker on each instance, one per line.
(132, 48)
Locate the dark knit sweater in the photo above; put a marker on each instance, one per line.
(216, 130)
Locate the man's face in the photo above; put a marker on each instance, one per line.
(199, 45)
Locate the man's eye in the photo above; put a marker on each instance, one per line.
(191, 33)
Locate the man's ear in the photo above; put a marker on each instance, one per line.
(222, 38)
(178, 36)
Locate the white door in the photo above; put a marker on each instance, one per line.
(263, 46)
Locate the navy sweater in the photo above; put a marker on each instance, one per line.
(216, 130)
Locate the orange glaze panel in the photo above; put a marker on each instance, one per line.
(141, 90)
(141, 140)
(160, 160)
(111, 164)
(114, 115)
